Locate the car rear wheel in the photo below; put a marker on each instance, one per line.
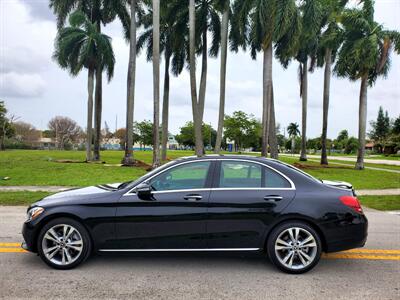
(64, 243)
(294, 247)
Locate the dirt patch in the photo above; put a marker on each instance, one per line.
(140, 164)
(69, 161)
(75, 161)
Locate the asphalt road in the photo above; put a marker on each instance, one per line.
(370, 274)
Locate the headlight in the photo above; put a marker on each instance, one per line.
(34, 212)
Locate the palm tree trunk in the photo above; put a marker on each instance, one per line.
(327, 82)
(224, 51)
(293, 144)
(156, 83)
(130, 99)
(165, 113)
(192, 64)
(273, 142)
(362, 122)
(267, 93)
(98, 108)
(89, 115)
(203, 78)
(304, 85)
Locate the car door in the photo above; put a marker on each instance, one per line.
(175, 217)
(245, 199)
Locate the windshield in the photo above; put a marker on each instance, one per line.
(132, 183)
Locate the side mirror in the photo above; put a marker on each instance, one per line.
(143, 191)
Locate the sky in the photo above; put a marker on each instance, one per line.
(35, 89)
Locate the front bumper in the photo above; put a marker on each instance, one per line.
(29, 233)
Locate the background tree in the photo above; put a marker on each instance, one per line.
(364, 56)
(100, 13)
(173, 44)
(66, 131)
(380, 129)
(121, 135)
(143, 132)
(81, 46)
(329, 43)
(293, 131)
(187, 138)
(226, 13)
(128, 159)
(311, 22)
(203, 18)
(156, 83)
(259, 24)
(6, 127)
(396, 126)
(243, 129)
(26, 133)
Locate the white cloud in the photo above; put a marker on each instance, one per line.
(21, 85)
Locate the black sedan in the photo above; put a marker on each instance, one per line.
(213, 203)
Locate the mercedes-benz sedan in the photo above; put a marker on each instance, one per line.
(212, 203)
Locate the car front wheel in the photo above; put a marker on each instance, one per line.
(64, 243)
(294, 247)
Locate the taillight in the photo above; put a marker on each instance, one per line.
(351, 202)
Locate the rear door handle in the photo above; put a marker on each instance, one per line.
(193, 197)
(273, 198)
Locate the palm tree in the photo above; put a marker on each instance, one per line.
(82, 46)
(203, 18)
(156, 83)
(260, 24)
(100, 13)
(329, 43)
(364, 56)
(293, 131)
(311, 22)
(128, 159)
(172, 44)
(196, 103)
(226, 11)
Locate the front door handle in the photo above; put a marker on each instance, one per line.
(193, 197)
(273, 198)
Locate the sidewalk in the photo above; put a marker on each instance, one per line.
(352, 159)
(35, 188)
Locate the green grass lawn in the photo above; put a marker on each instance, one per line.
(381, 202)
(26, 198)
(39, 167)
(21, 198)
(365, 179)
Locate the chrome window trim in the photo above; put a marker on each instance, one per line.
(292, 186)
(179, 250)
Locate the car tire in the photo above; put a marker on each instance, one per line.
(64, 243)
(294, 247)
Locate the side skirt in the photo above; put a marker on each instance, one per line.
(179, 250)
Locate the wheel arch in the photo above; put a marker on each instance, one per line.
(54, 216)
(296, 218)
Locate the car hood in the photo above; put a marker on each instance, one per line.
(91, 192)
(338, 184)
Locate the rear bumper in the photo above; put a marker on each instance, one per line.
(347, 235)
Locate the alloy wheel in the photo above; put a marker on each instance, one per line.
(296, 248)
(62, 244)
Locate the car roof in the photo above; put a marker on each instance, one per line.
(225, 156)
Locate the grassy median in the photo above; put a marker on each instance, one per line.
(67, 168)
